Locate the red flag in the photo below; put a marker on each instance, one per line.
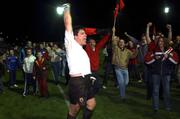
(90, 31)
(121, 4)
(116, 10)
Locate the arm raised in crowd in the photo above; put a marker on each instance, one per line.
(133, 39)
(67, 18)
(115, 39)
(147, 32)
(169, 27)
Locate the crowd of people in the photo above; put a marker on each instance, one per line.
(153, 59)
(34, 60)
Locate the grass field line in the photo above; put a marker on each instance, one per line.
(61, 91)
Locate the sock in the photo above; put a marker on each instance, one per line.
(87, 113)
(70, 117)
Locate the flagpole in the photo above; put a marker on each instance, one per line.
(114, 22)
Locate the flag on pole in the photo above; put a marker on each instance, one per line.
(116, 10)
(121, 4)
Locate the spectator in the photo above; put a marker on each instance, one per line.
(12, 65)
(40, 73)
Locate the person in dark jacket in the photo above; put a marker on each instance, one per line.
(2, 71)
(12, 65)
(162, 62)
(40, 73)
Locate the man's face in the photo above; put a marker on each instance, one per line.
(130, 43)
(29, 52)
(143, 39)
(121, 43)
(41, 46)
(81, 37)
(178, 38)
(92, 43)
(39, 55)
(11, 52)
(161, 42)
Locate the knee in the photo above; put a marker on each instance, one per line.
(91, 104)
(74, 109)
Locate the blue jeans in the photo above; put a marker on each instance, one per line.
(29, 81)
(56, 67)
(166, 90)
(107, 70)
(123, 80)
(12, 77)
(148, 81)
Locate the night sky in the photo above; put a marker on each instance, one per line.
(38, 20)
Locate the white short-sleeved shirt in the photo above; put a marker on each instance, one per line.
(77, 58)
(29, 64)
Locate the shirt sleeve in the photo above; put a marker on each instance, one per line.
(69, 37)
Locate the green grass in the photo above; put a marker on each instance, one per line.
(109, 106)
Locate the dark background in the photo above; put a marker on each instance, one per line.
(37, 19)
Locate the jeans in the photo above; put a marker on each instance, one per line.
(134, 72)
(97, 84)
(108, 68)
(123, 80)
(178, 73)
(12, 77)
(29, 80)
(56, 67)
(148, 81)
(166, 90)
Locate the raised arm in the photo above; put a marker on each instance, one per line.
(147, 32)
(114, 38)
(113, 31)
(67, 18)
(134, 40)
(169, 27)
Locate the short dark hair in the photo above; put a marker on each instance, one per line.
(76, 29)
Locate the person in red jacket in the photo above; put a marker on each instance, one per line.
(40, 73)
(93, 50)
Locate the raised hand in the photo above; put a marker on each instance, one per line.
(168, 26)
(149, 24)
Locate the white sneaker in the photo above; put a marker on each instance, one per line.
(104, 87)
(15, 85)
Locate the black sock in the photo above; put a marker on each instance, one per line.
(70, 117)
(87, 113)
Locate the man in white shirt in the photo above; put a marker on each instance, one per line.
(80, 84)
(28, 65)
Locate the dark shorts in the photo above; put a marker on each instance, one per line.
(80, 90)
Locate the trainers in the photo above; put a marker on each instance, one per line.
(24, 94)
(15, 85)
(104, 87)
